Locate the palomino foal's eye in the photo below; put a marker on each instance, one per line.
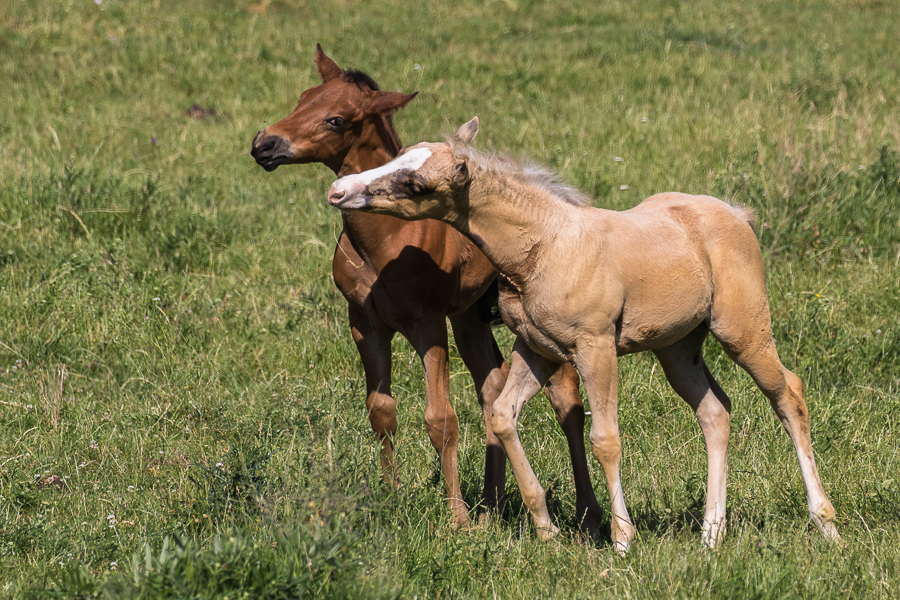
(335, 122)
(415, 187)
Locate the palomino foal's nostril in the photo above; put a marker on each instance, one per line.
(335, 195)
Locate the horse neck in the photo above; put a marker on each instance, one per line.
(377, 145)
(513, 222)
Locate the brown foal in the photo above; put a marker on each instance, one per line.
(409, 277)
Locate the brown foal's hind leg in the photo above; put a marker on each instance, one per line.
(374, 346)
(565, 397)
(482, 357)
(428, 335)
(686, 371)
(751, 345)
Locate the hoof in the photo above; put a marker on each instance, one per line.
(826, 527)
(713, 534)
(622, 535)
(548, 532)
(461, 521)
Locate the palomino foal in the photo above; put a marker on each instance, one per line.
(405, 277)
(583, 285)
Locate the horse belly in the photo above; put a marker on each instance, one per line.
(657, 326)
(525, 326)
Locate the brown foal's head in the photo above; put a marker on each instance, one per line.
(330, 120)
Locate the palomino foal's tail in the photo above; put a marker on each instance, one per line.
(746, 213)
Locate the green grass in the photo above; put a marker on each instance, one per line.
(182, 405)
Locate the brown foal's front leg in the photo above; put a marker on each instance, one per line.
(482, 357)
(428, 336)
(374, 346)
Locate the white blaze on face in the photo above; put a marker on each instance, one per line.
(344, 190)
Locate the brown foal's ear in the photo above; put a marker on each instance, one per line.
(327, 68)
(459, 174)
(467, 132)
(382, 103)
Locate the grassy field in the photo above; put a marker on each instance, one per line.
(181, 405)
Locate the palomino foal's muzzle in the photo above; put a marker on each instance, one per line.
(347, 192)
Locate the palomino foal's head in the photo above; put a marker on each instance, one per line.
(423, 182)
(329, 119)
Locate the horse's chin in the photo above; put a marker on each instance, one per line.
(273, 162)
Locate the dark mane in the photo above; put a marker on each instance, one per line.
(361, 79)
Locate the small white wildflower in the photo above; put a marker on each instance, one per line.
(877, 331)
(219, 465)
(113, 565)
(156, 299)
(617, 158)
(623, 187)
(643, 119)
(417, 66)
(98, 2)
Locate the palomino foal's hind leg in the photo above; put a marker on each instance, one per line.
(597, 365)
(482, 357)
(374, 346)
(785, 392)
(687, 373)
(428, 335)
(528, 374)
(562, 390)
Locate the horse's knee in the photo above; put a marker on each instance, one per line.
(442, 425)
(382, 414)
(493, 385)
(607, 447)
(503, 421)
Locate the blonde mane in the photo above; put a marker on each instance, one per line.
(525, 172)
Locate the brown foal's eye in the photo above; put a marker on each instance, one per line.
(335, 122)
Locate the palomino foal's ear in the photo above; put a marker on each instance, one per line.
(382, 103)
(327, 68)
(467, 132)
(459, 174)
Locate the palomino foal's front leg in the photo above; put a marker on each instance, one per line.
(528, 374)
(597, 365)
